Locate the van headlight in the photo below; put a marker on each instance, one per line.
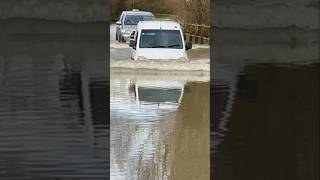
(126, 31)
(141, 58)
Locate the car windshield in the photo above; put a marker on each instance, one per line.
(161, 39)
(134, 19)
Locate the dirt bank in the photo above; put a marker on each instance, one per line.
(259, 14)
(69, 10)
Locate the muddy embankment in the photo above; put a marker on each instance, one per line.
(259, 14)
(248, 14)
(67, 10)
(277, 31)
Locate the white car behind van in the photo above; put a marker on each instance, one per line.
(159, 40)
(128, 22)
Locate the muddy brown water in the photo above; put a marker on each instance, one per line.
(159, 129)
(265, 105)
(53, 101)
(54, 109)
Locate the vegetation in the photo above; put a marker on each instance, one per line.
(192, 11)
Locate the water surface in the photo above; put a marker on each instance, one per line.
(159, 129)
(53, 101)
(159, 116)
(265, 105)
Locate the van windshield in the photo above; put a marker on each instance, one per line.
(134, 19)
(161, 39)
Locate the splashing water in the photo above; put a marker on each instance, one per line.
(199, 65)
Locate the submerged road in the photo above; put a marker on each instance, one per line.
(159, 117)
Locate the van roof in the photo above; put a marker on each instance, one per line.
(138, 12)
(159, 24)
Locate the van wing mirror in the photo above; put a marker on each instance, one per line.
(188, 46)
(132, 43)
(118, 23)
(132, 34)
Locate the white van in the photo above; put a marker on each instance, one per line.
(159, 40)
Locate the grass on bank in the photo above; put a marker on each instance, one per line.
(165, 16)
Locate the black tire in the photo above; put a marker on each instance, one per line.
(119, 38)
(116, 36)
(122, 40)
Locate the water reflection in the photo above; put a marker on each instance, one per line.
(163, 94)
(265, 120)
(159, 129)
(53, 101)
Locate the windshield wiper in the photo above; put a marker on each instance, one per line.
(176, 45)
(158, 46)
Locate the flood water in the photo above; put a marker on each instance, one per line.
(160, 117)
(265, 105)
(53, 101)
(54, 107)
(159, 129)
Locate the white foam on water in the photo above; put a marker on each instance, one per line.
(119, 46)
(200, 46)
(196, 65)
(151, 75)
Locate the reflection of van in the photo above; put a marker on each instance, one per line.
(164, 94)
(159, 40)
